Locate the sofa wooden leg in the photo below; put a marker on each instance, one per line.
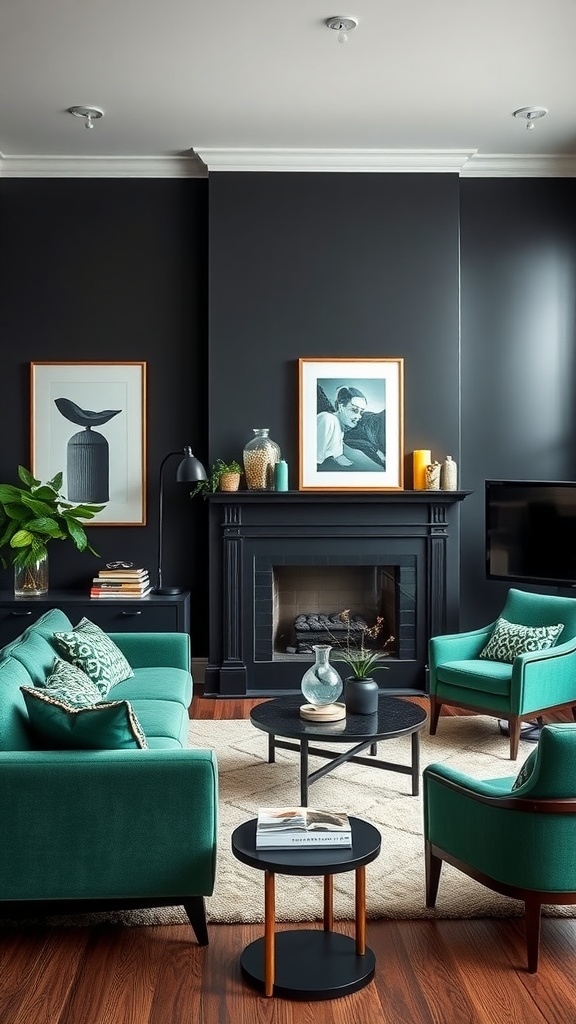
(514, 723)
(435, 706)
(433, 869)
(532, 916)
(196, 910)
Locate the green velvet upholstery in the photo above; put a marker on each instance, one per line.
(92, 828)
(519, 842)
(535, 682)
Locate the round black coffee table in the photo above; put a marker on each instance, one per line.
(395, 717)
(309, 963)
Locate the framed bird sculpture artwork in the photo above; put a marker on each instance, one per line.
(103, 462)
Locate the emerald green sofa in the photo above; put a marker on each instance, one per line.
(104, 829)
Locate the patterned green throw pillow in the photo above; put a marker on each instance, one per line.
(110, 725)
(69, 683)
(92, 650)
(509, 639)
(526, 770)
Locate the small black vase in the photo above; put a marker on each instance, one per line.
(361, 696)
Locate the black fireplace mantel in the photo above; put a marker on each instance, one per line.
(338, 497)
(250, 530)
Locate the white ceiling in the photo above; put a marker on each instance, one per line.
(420, 84)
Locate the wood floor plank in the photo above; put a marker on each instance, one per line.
(483, 986)
(38, 974)
(116, 979)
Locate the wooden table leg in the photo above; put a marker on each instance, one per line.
(360, 911)
(328, 904)
(269, 931)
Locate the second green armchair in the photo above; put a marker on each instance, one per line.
(528, 687)
(516, 837)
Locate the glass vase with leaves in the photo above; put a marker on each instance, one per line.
(30, 517)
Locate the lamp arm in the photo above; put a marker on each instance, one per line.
(161, 510)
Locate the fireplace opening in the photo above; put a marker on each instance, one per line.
(308, 601)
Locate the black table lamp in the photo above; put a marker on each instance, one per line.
(190, 471)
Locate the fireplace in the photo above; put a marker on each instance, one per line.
(281, 558)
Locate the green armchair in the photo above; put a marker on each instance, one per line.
(534, 684)
(517, 841)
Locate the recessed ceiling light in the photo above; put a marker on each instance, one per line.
(531, 114)
(90, 114)
(342, 26)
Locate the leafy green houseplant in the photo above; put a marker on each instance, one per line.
(34, 514)
(361, 691)
(215, 482)
(360, 658)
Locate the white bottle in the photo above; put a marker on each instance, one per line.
(449, 475)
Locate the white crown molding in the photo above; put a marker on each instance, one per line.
(515, 165)
(198, 163)
(101, 167)
(343, 160)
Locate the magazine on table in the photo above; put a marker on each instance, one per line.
(302, 826)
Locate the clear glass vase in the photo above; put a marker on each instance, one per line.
(260, 457)
(31, 580)
(321, 683)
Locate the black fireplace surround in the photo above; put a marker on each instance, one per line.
(408, 537)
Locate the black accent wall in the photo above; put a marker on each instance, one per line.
(518, 413)
(331, 265)
(112, 270)
(221, 284)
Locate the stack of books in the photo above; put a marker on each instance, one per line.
(302, 827)
(121, 583)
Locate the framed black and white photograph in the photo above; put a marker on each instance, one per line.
(88, 421)
(351, 424)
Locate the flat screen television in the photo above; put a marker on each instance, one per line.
(531, 531)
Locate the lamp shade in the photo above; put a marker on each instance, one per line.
(190, 470)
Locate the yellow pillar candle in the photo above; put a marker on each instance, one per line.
(420, 459)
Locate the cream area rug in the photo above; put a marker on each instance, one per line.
(395, 886)
(395, 880)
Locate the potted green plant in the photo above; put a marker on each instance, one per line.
(224, 476)
(31, 516)
(360, 690)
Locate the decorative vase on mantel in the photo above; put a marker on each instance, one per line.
(321, 683)
(31, 580)
(361, 695)
(260, 457)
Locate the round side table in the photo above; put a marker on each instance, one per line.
(311, 963)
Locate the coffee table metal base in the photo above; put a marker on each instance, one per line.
(310, 964)
(336, 759)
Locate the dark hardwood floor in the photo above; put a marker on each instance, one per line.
(427, 972)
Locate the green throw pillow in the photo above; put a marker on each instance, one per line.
(509, 639)
(69, 683)
(526, 770)
(92, 650)
(111, 725)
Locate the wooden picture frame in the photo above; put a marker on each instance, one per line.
(351, 424)
(88, 421)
